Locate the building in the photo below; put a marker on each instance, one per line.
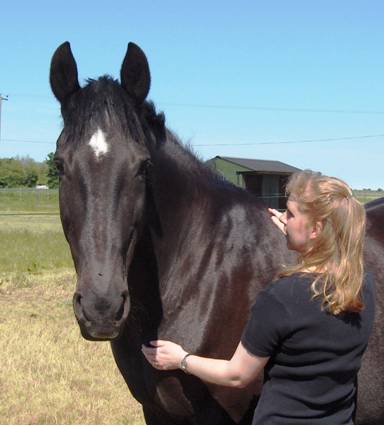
(264, 178)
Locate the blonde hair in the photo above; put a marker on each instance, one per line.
(337, 252)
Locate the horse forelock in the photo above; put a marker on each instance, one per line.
(104, 104)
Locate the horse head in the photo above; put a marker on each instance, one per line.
(103, 162)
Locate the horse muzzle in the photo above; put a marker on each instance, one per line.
(101, 319)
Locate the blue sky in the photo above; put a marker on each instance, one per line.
(296, 81)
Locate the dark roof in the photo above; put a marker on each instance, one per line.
(262, 165)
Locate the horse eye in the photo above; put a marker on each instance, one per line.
(59, 164)
(144, 168)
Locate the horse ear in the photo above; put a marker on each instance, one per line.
(134, 74)
(63, 73)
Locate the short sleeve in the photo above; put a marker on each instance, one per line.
(267, 327)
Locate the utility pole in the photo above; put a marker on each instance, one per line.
(2, 98)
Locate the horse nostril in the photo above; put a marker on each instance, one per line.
(78, 309)
(119, 313)
(122, 313)
(100, 274)
(77, 299)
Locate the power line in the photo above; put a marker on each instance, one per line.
(338, 139)
(1, 101)
(241, 107)
(274, 109)
(31, 95)
(344, 138)
(27, 141)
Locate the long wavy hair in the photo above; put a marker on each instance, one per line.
(337, 253)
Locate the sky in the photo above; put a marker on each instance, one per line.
(300, 82)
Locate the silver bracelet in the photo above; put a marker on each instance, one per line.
(183, 364)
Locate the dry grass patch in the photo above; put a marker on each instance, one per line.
(32, 222)
(48, 373)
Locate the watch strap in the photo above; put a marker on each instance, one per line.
(184, 364)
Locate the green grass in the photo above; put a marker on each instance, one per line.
(36, 223)
(29, 200)
(365, 196)
(47, 201)
(26, 251)
(32, 244)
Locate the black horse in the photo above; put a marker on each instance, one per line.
(375, 223)
(165, 248)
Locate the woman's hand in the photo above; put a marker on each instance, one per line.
(279, 219)
(164, 355)
(239, 371)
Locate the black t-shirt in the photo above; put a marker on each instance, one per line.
(315, 356)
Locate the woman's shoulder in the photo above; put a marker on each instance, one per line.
(291, 285)
(368, 279)
(293, 279)
(369, 287)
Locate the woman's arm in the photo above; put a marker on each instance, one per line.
(238, 372)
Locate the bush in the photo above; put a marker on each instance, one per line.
(21, 172)
(53, 173)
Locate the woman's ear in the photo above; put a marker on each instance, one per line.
(316, 230)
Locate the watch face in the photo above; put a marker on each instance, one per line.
(183, 363)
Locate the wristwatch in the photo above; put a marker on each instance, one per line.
(183, 363)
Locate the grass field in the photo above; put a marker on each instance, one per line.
(365, 196)
(32, 244)
(28, 200)
(48, 373)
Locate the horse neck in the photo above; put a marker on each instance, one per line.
(195, 210)
(181, 198)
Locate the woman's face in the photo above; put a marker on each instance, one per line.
(299, 228)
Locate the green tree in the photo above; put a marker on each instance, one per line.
(52, 173)
(34, 171)
(30, 178)
(22, 171)
(11, 173)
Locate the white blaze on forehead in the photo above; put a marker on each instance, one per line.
(98, 143)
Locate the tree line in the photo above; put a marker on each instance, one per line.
(24, 172)
(19, 172)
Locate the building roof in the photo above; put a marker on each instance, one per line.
(267, 166)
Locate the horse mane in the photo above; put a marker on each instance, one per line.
(194, 168)
(104, 102)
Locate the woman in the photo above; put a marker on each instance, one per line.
(310, 328)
